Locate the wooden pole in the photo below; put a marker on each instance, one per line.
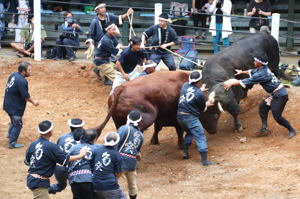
(37, 30)
(290, 26)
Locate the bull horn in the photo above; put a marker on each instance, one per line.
(211, 96)
(220, 107)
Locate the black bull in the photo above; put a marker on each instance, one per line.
(222, 66)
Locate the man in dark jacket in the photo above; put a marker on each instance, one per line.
(15, 99)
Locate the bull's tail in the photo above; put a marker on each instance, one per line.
(115, 98)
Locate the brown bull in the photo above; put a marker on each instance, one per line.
(156, 97)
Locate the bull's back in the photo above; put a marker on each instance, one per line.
(159, 90)
(239, 55)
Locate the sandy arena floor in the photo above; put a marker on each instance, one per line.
(266, 167)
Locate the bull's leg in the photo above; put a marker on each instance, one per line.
(237, 124)
(157, 128)
(180, 136)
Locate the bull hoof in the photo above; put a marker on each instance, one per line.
(239, 129)
(154, 142)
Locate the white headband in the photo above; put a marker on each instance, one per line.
(101, 5)
(47, 131)
(149, 65)
(259, 61)
(75, 125)
(195, 80)
(111, 143)
(163, 19)
(135, 123)
(111, 25)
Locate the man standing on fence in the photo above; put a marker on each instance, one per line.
(163, 37)
(15, 98)
(97, 30)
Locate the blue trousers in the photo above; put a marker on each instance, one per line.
(193, 128)
(61, 175)
(15, 127)
(61, 51)
(166, 57)
(218, 37)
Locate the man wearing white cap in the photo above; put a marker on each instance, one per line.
(131, 141)
(106, 164)
(97, 27)
(41, 157)
(65, 142)
(149, 67)
(163, 37)
(191, 104)
(270, 83)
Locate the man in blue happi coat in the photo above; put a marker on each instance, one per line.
(279, 95)
(163, 37)
(191, 104)
(97, 26)
(80, 171)
(42, 157)
(66, 142)
(131, 141)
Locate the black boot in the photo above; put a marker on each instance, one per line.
(132, 197)
(186, 154)
(97, 72)
(51, 190)
(205, 162)
(264, 128)
(291, 134)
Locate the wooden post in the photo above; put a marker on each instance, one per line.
(157, 12)
(275, 26)
(37, 30)
(290, 26)
(125, 27)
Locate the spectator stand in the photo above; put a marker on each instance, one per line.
(144, 14)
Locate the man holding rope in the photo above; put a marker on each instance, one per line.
(163, 37)
(126, 65)
(107, 47)
(97, 30)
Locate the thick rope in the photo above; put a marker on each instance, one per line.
(131, 30)
(176, 54)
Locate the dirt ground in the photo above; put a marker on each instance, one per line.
(266, 167)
